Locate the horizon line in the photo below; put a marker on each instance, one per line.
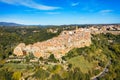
(57, 24)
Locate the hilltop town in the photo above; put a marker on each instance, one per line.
(58, 46)
(63, 43)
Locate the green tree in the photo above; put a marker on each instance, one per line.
(41, 74)
(16, 75)
(56, 77)
(52, 58)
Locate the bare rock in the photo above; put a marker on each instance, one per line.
(19, 49)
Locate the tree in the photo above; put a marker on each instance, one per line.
(69, 66)
(41, 58)
(16, 75)
(5, 74)
(31, 56)
(41, 74)
(52, 58)
(56, 77)
(27, 59)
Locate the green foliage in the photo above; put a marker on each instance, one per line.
(16, 75)
(56, 77)
(41, 74)
(57, 69)
(116, 49)
(69, 66)
(5, 74)
(41, 58)
(15, 66)
(98, 54)
(29, 57)
(11, 37)
(81, 63)
(76, 74)
(85, 59)
(52, 58)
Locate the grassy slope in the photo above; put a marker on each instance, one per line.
(81, 63)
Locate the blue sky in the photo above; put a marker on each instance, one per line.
(59, 12)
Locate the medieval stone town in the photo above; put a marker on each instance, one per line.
(67, 40)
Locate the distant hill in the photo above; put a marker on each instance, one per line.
(9, 24)
(12, 24)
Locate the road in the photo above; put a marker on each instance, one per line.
(102, 73)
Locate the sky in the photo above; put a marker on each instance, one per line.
(60, 12)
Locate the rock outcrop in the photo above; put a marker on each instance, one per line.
(19, 49)
(58, 46)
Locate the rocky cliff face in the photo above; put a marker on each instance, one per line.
(19, 49)
(58, 46)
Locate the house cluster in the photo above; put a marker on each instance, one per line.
(114, 29)
(58, 46)
(52, 30)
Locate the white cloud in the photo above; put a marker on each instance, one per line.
(75, 4)
(30, 4)
(52, 12)
(106, 11)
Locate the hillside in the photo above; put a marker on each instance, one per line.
(98, 61)
(9, 24)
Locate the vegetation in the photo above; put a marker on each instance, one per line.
(16, 75)
(80, 63)
(11, 37)
(98, 54)
(52, 58)
(41, 74)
